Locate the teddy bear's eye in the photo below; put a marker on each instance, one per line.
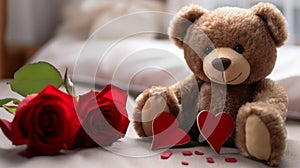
(239, 48)
(207, 50)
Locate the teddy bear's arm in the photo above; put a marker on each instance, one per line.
(260, 124)
(158, 99)
(148, 104)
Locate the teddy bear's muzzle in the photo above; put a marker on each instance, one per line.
(226, 66)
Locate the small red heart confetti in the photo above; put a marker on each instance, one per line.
(166, 155)
(210, 160)
(215, 128)
(187, 153)
(231, 160)
(185, 163)
(198, 153)
(166, 132)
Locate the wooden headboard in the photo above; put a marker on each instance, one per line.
(12, 57)
(2, 36)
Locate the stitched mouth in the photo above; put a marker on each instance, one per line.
(235, 78)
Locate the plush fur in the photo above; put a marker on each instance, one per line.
(230, 51)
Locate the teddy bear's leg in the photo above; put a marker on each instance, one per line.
(150, 103)
(260, 127)
(261, 132)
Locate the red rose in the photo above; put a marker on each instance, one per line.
(103, 117)
(45, 122)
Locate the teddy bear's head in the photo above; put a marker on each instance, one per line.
(230, 45)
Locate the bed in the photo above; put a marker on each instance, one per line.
(135, 63)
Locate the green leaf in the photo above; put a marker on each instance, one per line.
(10, 109)
(7, 100)
(69, 84)
(32, 78)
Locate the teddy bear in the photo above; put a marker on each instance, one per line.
(230, 52)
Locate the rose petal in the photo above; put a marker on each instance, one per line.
(114, 93)
(198, 153)
(117, 95)
(231, 160)
(210, 160)
(166, 155)
(185, 163)
(86, 103)
(187, 153)
(7, 130)
(27, 99)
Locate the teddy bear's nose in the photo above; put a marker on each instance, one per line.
(221, 64)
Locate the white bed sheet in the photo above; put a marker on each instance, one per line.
(98, 157)
(132, 152)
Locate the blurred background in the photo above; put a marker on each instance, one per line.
(27, 25)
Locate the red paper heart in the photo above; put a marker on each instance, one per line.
(166, 132)
(215, 128)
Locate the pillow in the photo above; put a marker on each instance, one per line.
(291, 86)
(119, 18)
(133, 63)
(76, 20)
(287, 73)
(83, 17)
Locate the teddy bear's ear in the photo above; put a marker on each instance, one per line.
(182, 21)
(274, 20)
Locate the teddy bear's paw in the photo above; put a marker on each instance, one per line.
(261, 133)
(258, 140)
(149, 104)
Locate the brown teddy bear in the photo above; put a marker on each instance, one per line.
(230, 52)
